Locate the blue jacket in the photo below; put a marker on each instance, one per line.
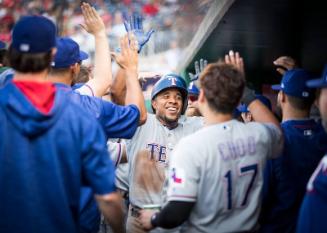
(44, 160)
(285, 178)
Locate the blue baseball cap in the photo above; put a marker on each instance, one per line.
(68, 53)
(192, 89)
(263, 99)
(2, 45)
(294, 83)
(321, 82)
(242, 108)
(34, 34)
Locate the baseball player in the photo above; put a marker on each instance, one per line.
(48, 147)
(305, 144)
(117, 121)
(149, 150)
(312, 216)
(216, 174)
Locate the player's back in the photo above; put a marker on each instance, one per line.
(286, 177)
(228, 160)
(42, 158)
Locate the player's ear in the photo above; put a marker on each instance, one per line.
(282, 96)
(201, 98)
(154, 103)
(75, 68)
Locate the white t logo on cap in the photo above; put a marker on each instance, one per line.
(24, 47)
(305, 94)
(173, 81)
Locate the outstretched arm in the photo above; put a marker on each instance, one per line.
(128, 61)
(102, 65)
(285, 63)
(118, 88)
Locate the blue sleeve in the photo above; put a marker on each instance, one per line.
(119, 121)
(97, 168)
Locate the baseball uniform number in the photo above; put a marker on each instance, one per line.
(247, 170)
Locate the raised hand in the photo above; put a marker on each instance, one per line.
(285, 63)
(135, 25)
(198, 69)
(102, 74)
(236, 60)
(93, 23)
(128, 57)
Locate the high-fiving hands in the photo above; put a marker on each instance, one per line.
(135, 25)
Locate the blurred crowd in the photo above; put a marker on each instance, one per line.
(175, 21)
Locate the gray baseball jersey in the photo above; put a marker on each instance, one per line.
(148, 154)
(220, 168)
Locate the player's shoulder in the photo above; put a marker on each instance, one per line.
(73, 108)
(200, 137)
(191, 120)
(261, 127)
(264, 131)
(191, 124)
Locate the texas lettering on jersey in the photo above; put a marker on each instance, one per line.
(157, 152)
(150, 164)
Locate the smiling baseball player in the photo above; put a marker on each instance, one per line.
(149, 150)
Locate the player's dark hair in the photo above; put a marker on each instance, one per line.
(28, 62)
(223, 86)
(300, 103)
